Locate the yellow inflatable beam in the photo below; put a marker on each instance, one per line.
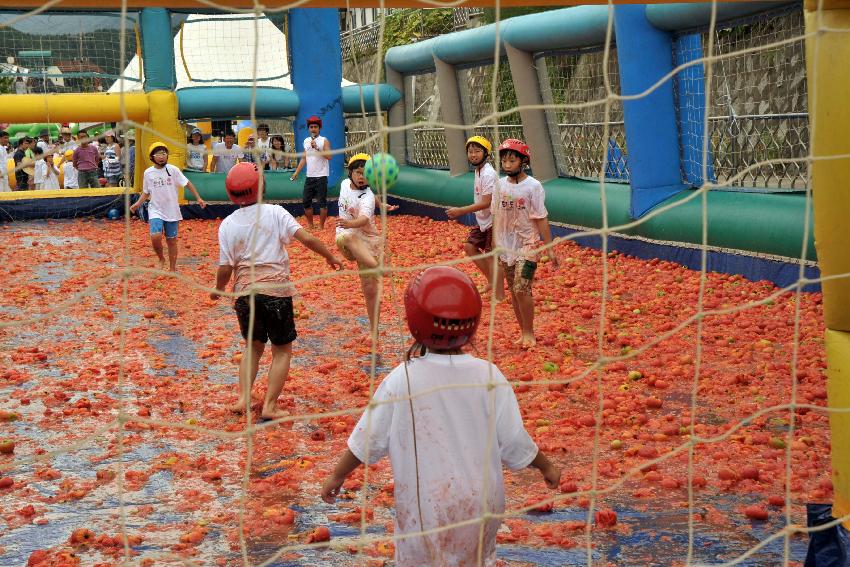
(828, 78)
(838, 390)
(828, 82)
(64, 193)
(93, 107)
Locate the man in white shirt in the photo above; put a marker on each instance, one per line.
(225, 154)
(317, 159)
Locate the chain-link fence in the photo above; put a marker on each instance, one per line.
(578, 134)
(72, 52)
(476, 96)
(758, 102)
(426, 145)
(359, 131)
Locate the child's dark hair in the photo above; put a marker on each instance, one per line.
(38, 150)
(277, 137)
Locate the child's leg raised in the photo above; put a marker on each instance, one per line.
(278, 373)
(248, 368)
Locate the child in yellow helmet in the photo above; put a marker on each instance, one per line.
(356, 235)
(160, 185)
(480, 239)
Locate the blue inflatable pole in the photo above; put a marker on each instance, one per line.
(317, 77)
(645, 54)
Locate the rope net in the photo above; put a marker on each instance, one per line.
(685, 408)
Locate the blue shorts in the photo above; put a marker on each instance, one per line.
(157, 226)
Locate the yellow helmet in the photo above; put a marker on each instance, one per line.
(154, 146)
(481, 141)
(358, 157)
(69, 154)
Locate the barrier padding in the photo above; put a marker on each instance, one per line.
(759, 223)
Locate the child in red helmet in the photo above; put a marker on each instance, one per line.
(521, 223)
(258, 234)
(448, 422)
(317, 159)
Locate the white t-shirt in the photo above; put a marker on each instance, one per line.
(195, 159)
(516, 204)
(317, 166)
(263, 146)
(226, 159)
(274, 230)
(70, 181)
(51, 179)
(4, 169)
(354, 203)
(485, 184)
(452, 437)
(39, 173)
(161, 185)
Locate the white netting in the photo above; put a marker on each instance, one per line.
(680, 399)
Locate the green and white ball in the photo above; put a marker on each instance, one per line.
(381, 170)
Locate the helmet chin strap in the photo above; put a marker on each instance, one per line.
(513, 174)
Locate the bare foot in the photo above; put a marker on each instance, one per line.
(238, 407)
(529, 341)
(273, 414)
(519, 341)
(162, 264)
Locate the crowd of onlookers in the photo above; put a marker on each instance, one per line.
(86, 161)
(80, 162)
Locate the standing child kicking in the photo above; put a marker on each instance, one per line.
(317, 159)
(356, 235)
(160, 185)
(520, 224)
(258, 234)
(449, 422)
(480, 239)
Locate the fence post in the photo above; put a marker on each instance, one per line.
(396, 115)
(452, 114)
(652, 136)
(534, 127)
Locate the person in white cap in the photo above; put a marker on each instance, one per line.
(196, 157)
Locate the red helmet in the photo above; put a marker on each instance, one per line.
(443, 308)
(314, 120)
(243, 183)
(518, 146)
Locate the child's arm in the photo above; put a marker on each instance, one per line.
(545, 232)
(194, 191)
(455, 212)
(359, 222)
(551, 473)
(301, 164)
(135, 206)
(332, 484)
(222, 276)
(318, 247)
(213, 163)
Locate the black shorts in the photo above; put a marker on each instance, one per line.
(482, 241)
(316, 188)
(274, 319)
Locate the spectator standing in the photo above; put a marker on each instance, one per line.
(66, 140)
(225, 154)
(131, 158)
(196, 158)
(86, 158)
(44, 142)
(4, 160)
(46, 175)
(21, 86)
(263, 144)
(249, 154)
(278, 160)
(69, 174)
(23, 165)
